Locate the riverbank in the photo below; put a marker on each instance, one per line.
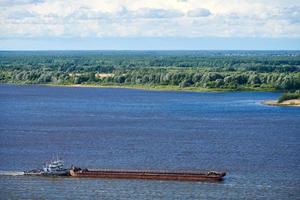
(291, 102)
(163, 87)
(152, 87)
(144, 87)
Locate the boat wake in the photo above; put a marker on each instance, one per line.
(11, 173)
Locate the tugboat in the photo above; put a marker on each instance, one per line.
(54, 168)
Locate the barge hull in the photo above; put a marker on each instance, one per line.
(182, 176)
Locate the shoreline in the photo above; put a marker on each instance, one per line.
(152, 87)
(141, 87)
(291, 102)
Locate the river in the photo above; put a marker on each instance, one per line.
(257, 145)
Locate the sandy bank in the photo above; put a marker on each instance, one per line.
(292, 102)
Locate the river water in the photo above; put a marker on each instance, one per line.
(257, 145)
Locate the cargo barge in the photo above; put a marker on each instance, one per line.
(56, 168)
(148, 174)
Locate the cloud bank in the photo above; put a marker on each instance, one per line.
(156, 18)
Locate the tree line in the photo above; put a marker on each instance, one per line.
(278, 71)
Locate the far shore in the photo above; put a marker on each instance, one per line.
(143, 87)
(291, 102)
(163, 88)
(154, 87)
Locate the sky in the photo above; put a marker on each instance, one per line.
(149, 24)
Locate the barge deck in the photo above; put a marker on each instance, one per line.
(148, 174)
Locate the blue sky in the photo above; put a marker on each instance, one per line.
(151, 24)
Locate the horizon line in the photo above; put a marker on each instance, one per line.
(5, 50)
(148, 44)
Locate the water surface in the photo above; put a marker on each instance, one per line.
(257, 145)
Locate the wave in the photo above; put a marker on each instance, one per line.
(11, 173)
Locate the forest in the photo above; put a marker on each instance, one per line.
(187, 70)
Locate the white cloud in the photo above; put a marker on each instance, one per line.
(142, 18)
(124, 13)
(18, 2)
(88, 14)
(200, 12)
(157, 13)
(20, 14)
(290, 14)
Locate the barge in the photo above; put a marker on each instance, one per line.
(148, 174)
(56, 168)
